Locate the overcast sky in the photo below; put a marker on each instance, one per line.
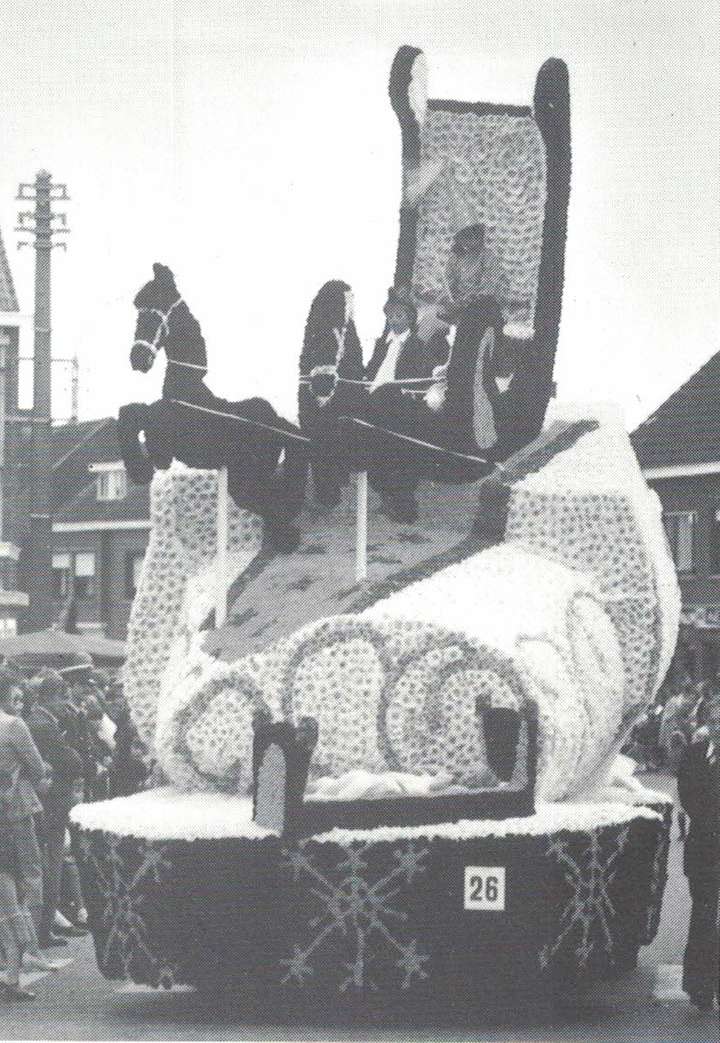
(251, 146)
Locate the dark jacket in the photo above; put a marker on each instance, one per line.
(66, 763)
(699, 792)
(416, 358)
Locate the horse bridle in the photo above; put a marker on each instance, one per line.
(163, 330)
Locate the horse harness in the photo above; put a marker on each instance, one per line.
(332, 370)
(163, 330)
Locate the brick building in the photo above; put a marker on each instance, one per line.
(678, 448)
(100, 529)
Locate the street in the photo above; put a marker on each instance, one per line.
(648, 1004)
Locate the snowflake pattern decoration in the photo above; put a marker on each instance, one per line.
(590, 910)
(361, 910)
(123, 891)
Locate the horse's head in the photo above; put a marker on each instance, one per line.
(331, 309)
(155, 303)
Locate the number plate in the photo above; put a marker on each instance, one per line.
(485, 888)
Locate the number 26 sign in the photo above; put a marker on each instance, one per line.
(485, 888)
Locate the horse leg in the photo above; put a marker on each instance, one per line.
(132, 419)
(293, 479)
(255, 492)
(164, 434)
(253, 485)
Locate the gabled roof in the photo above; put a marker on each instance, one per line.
(90, 436)
(74, 447)
(86, 508)
(8, 297)
(685, 429)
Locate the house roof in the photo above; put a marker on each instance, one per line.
(85, 506)
(8, 297)
(685, 429)
(74, 447)
(87, 436)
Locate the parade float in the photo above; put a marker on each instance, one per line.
(391, 770)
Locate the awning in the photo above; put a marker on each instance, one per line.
(57, 648)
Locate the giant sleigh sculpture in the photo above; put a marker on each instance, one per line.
(434, 811)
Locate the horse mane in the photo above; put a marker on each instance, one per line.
(327, 312)
(186, 328)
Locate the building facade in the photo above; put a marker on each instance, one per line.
(678, 448)
(99, 540)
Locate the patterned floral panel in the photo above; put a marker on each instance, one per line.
(493, 174)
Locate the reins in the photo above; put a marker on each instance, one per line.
(293, 437)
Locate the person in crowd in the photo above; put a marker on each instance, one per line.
(95, 745)
(72, 915)
(699, 792)
(130, 770)
(116, 706)
(401, 355)
(23, 776)
(675, 733)
(22, 773)
(646, 735)
(675, 717)
(18, 937)
(47, 724)
(16, 927)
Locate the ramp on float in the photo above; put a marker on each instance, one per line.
(279, 594)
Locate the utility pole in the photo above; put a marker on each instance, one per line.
(41, 224)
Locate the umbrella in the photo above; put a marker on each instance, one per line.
(57, 648)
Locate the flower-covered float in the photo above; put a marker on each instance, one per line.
(403, 792)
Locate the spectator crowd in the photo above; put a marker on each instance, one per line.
(66, 736)
(680, 734)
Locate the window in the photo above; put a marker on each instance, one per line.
(133, 567)
(680, 530)
(61, 566)
(112, 484)
(84, 574)
(73, 573)
(8, 626)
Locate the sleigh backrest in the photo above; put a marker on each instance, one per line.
(505, 167)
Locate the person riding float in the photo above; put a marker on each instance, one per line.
(401, 373)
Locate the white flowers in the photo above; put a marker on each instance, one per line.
(168, 814)
(577, 611)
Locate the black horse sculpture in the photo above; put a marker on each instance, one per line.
(331, 387)
(191, 424)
